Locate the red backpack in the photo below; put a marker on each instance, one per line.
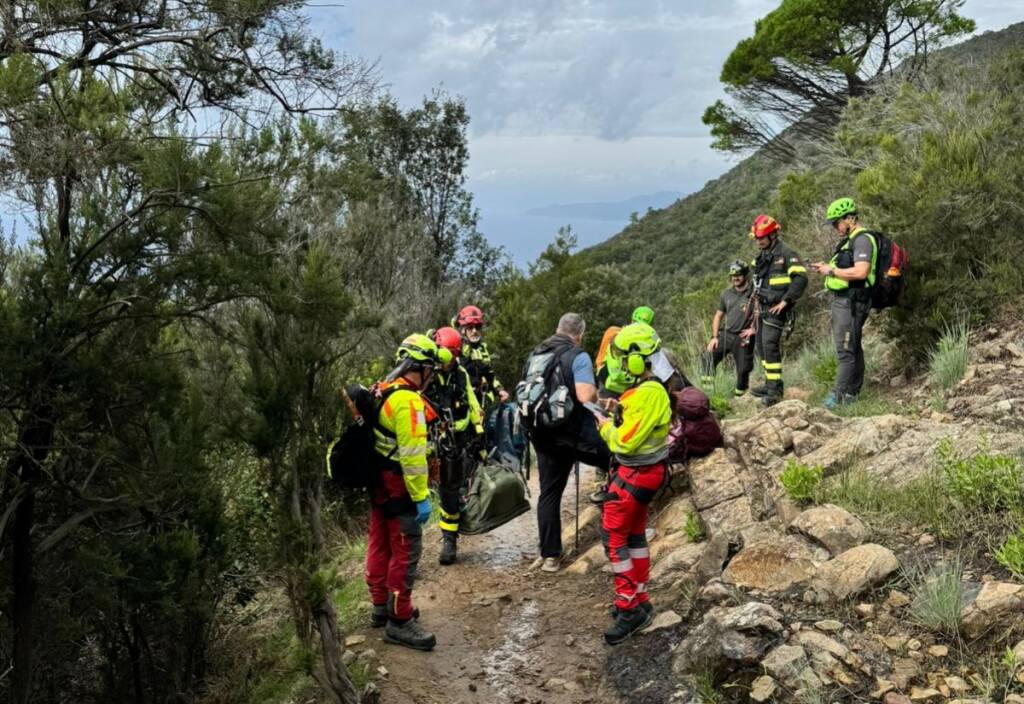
(694, 431)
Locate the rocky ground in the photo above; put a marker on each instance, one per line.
(774, 602)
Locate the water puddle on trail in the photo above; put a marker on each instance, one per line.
(506, 665)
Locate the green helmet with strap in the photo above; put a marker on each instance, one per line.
(420, 349)
(840, 209)
(643, 314)
(635, 343)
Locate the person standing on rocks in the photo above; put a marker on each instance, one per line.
(780, 278)
(638, 437)
(559, 449)
(736, 336)
(849, 275)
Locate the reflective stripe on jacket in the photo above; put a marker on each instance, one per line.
(403, 415)
(779, 275)
(834, 283)
(641, 436)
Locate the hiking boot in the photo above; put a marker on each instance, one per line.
(379, 617)
(770, 400)
(761, 391)
(738, 393)
(410, 634)
(599, 496)
(449, 548)
(831, 401)
(627, 622)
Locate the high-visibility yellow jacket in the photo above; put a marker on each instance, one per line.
(454, 389)
(639, 435)
(401, 436)
(476, 359)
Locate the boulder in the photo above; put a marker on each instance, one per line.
(593, 559)
(771, 565)
(762, 689)
(716, 552)
(788, 664)
(713, 480)
(590, 524)
(681, 560)
(672, 518)
(835, 528)
(853, 571)
(995, 605)
(664, 619)
(729, 517)
(728, 638)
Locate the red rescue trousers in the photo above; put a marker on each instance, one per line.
(393, 551)
(624, 526)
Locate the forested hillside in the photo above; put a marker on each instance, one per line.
(672, 249)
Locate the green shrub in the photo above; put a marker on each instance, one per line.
(983, 481)
(936, 597)
(800, 480)
(693, 528)
(1011, 554)
(948, 361)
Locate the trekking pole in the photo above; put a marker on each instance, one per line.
(577, 507)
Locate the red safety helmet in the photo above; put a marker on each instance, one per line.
(450, 339)
(470, 315)
(764, 225)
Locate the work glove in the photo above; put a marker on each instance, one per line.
(423, 509)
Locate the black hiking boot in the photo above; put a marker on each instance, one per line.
(410, 634)
(599, 496)
(762, 391)
(646, 606)
(770, 400)
(627, 623)
(449, 548)
(379, 617)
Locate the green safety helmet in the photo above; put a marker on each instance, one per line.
(420, 349)
(840, 209)
(636, 342)
(643, 314)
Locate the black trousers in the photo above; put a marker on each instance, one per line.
(770, 330)
(848, 317)
(742, 352)
(454, 471)
(554, 465)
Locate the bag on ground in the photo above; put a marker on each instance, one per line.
(496, 495)
(694, 431)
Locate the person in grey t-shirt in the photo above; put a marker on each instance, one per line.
(731, 331)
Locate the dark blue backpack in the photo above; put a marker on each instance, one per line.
(506, 437)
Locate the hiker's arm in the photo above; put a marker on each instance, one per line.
(857, 272)
(641, 413)
(476, 416)
(715, 323)
(586, 393)
(411, 432)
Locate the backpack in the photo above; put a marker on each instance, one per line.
(505, 434)
(543, 396)
(496, 495)
(352, 461)
(891, 263)
(694, 431)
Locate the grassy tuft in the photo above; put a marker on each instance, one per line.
(1011, 554)
(936, 596)
(800, 480)
(948, 361)
(693, 528)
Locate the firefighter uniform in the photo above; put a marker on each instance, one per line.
(476, 359)
(639, 440)
(451, 394)
(396, 539)
(779, 275)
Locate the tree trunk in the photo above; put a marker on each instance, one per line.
(34, 447)
(338, 684)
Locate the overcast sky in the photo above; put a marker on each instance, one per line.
(570, 101)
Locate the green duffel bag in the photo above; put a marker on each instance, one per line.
(496, 495)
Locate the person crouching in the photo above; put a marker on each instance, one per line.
(638, 438)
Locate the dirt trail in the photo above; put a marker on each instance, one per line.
(505, 634)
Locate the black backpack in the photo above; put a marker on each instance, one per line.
(352, 461)
(891, 264)
(544, 398)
